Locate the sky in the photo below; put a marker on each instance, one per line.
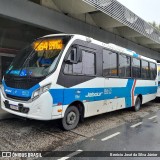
(149, 10)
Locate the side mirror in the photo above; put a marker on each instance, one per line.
(79, 55)
(75, 56)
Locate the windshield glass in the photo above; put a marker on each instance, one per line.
(39, 59)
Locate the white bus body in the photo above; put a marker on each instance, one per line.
(82, 84)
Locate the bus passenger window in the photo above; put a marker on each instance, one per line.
(153, 71)
(109, 63)
(136, 68)
(145, 70)
(124, 66)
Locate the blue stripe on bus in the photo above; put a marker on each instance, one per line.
(145, 90)
(98, 94)
(20, 92)
(68, 95)
(135, 55)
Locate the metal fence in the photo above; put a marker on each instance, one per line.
(119, 12)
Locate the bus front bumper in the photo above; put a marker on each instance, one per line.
(39, 109)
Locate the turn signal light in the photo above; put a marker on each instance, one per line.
(59, 110)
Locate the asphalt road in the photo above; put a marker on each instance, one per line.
(29, 135)
(141, 136)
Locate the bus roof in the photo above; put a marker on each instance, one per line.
(105, 45)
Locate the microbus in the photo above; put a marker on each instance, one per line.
(71, 77)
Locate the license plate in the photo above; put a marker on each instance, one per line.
(14, 107)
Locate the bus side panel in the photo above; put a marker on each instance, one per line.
(146, 88)
(158, 90)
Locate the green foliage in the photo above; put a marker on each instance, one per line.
(155, 25)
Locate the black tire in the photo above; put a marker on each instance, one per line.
(71, 118)
(137, 104)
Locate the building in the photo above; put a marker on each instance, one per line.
(21, 21)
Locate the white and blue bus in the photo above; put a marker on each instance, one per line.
(71, 77)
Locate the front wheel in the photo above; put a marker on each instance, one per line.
(137, 104)
(71, 118)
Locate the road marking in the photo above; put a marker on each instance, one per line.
(135, 125)
(152, 117)
(111, 136)
(71, 155)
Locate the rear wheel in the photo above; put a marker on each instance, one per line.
(137, 104)
(71, 118)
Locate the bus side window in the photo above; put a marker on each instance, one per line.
(85, 65)
(153, 71)
(72, 64)
(124, 66)
(136, 68)
(145, 70)
(110, 67)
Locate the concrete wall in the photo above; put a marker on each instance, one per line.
(37, 15)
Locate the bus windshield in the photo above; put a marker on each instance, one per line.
(39, 59)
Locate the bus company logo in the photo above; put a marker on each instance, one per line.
(77, 96)
(15, 92)
(7, 90)
(25, 93)
(94, 94)
(108, 91)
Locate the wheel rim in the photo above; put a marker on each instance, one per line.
(71, 118)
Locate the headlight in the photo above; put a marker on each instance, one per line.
(46, 88)
(36, 93)
(40, 91)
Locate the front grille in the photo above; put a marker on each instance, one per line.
(20, 85)
(18, 98)
(21, 82)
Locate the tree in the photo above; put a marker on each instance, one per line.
(155, 25)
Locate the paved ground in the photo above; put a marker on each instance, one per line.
(142, 136)
(20, 135)
(5, 115)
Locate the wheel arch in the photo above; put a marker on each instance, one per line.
(80, 107)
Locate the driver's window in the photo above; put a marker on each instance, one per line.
(86, 66)
(73, 67)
